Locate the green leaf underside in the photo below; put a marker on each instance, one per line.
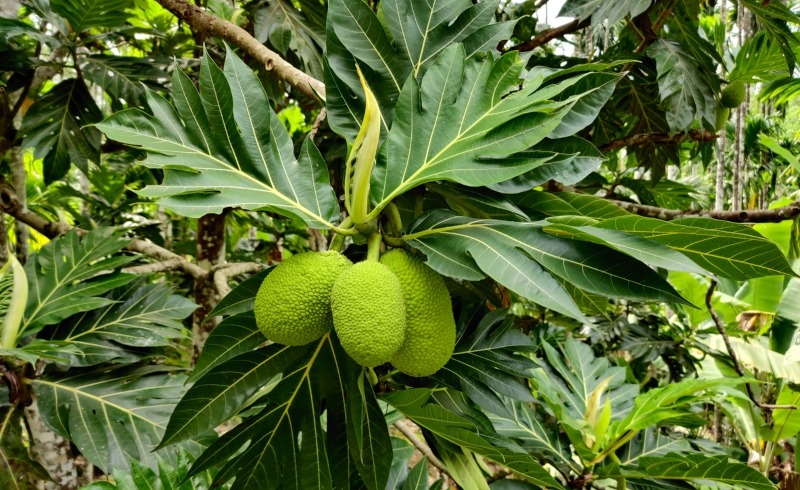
(730, 250)
(68, 273)
(695, 467)
(110, 415)
(521, 256)
(138, 315)
(235, 335)
(415, 404)
(225, 147)
(316, 377)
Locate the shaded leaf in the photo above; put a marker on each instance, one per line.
(242, 298)
(233, 336)
(17, 469)
(58, 127)
(123, 77)
(109, 415)
(88, 14)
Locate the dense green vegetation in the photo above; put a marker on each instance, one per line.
(574, 247)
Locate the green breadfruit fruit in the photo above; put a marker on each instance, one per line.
(733, 95)
(293, 304)
(430, 326)
(369, 314)
(723, 113)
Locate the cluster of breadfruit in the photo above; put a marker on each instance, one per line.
(396, 310)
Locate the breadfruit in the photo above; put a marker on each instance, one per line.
(293, 304)
(369, 314)
(430, 326)
(733, 95)
(723, 113)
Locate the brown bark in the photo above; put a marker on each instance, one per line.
(546, 36)
(722, 142)
(752, 216)
(211, 25)
(53, 452)
(210, 253)
(641, 139)
(3, 240)
(20, 228)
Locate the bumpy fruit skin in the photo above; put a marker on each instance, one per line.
(369, 314)
(293, 304)
(723, 113)
(733, 95)
(430, 326)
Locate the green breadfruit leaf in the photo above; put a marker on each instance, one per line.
(225, 147)
(522, 257)
(604, 10)
(567, 204)
(648, 251)
(87, 14)
(477, 203)
(759, 60)
(774, 19)
(536, 434)
(593, 91)
(694, 468)
(402, 451)
(17, 469)
(575, 373)
(316, 378)
(124, 77)
(287, 28)
(666, 193)
(69, 273)
(417, 405)
(234, 335)
(664, 403)
(168, 477)
(58, 128)
(731, 250)
(415, 34)
(418, 476)
(111, 415)
(687, 90)
(138, 316)
(652, 442)
(569, 160)
(486, 363)
(443, 130)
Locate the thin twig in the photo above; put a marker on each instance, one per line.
(421, 446)
(221, 276)
(736, 364)
(785, 213)
(323, 113)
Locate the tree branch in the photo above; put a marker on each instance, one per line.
(213, 25)
(546, 36)
(642, 139)
(421, 446)
(736, 364)
(10, 204)
(166, 265)
(223, 274)
(747, 216)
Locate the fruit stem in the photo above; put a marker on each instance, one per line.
(374, 247)
(338, 238)
(395, 221)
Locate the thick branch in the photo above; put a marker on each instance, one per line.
(10, 204)
(642, 139)
(212, 25)
(546, 36)
(166, 265)
(421, 446)
(747, 216)
(222, 275)
(736, 364)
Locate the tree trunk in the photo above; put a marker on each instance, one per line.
(741, 120)
(53, 452)
(210, 253)
(722, 141)
(20, 229)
